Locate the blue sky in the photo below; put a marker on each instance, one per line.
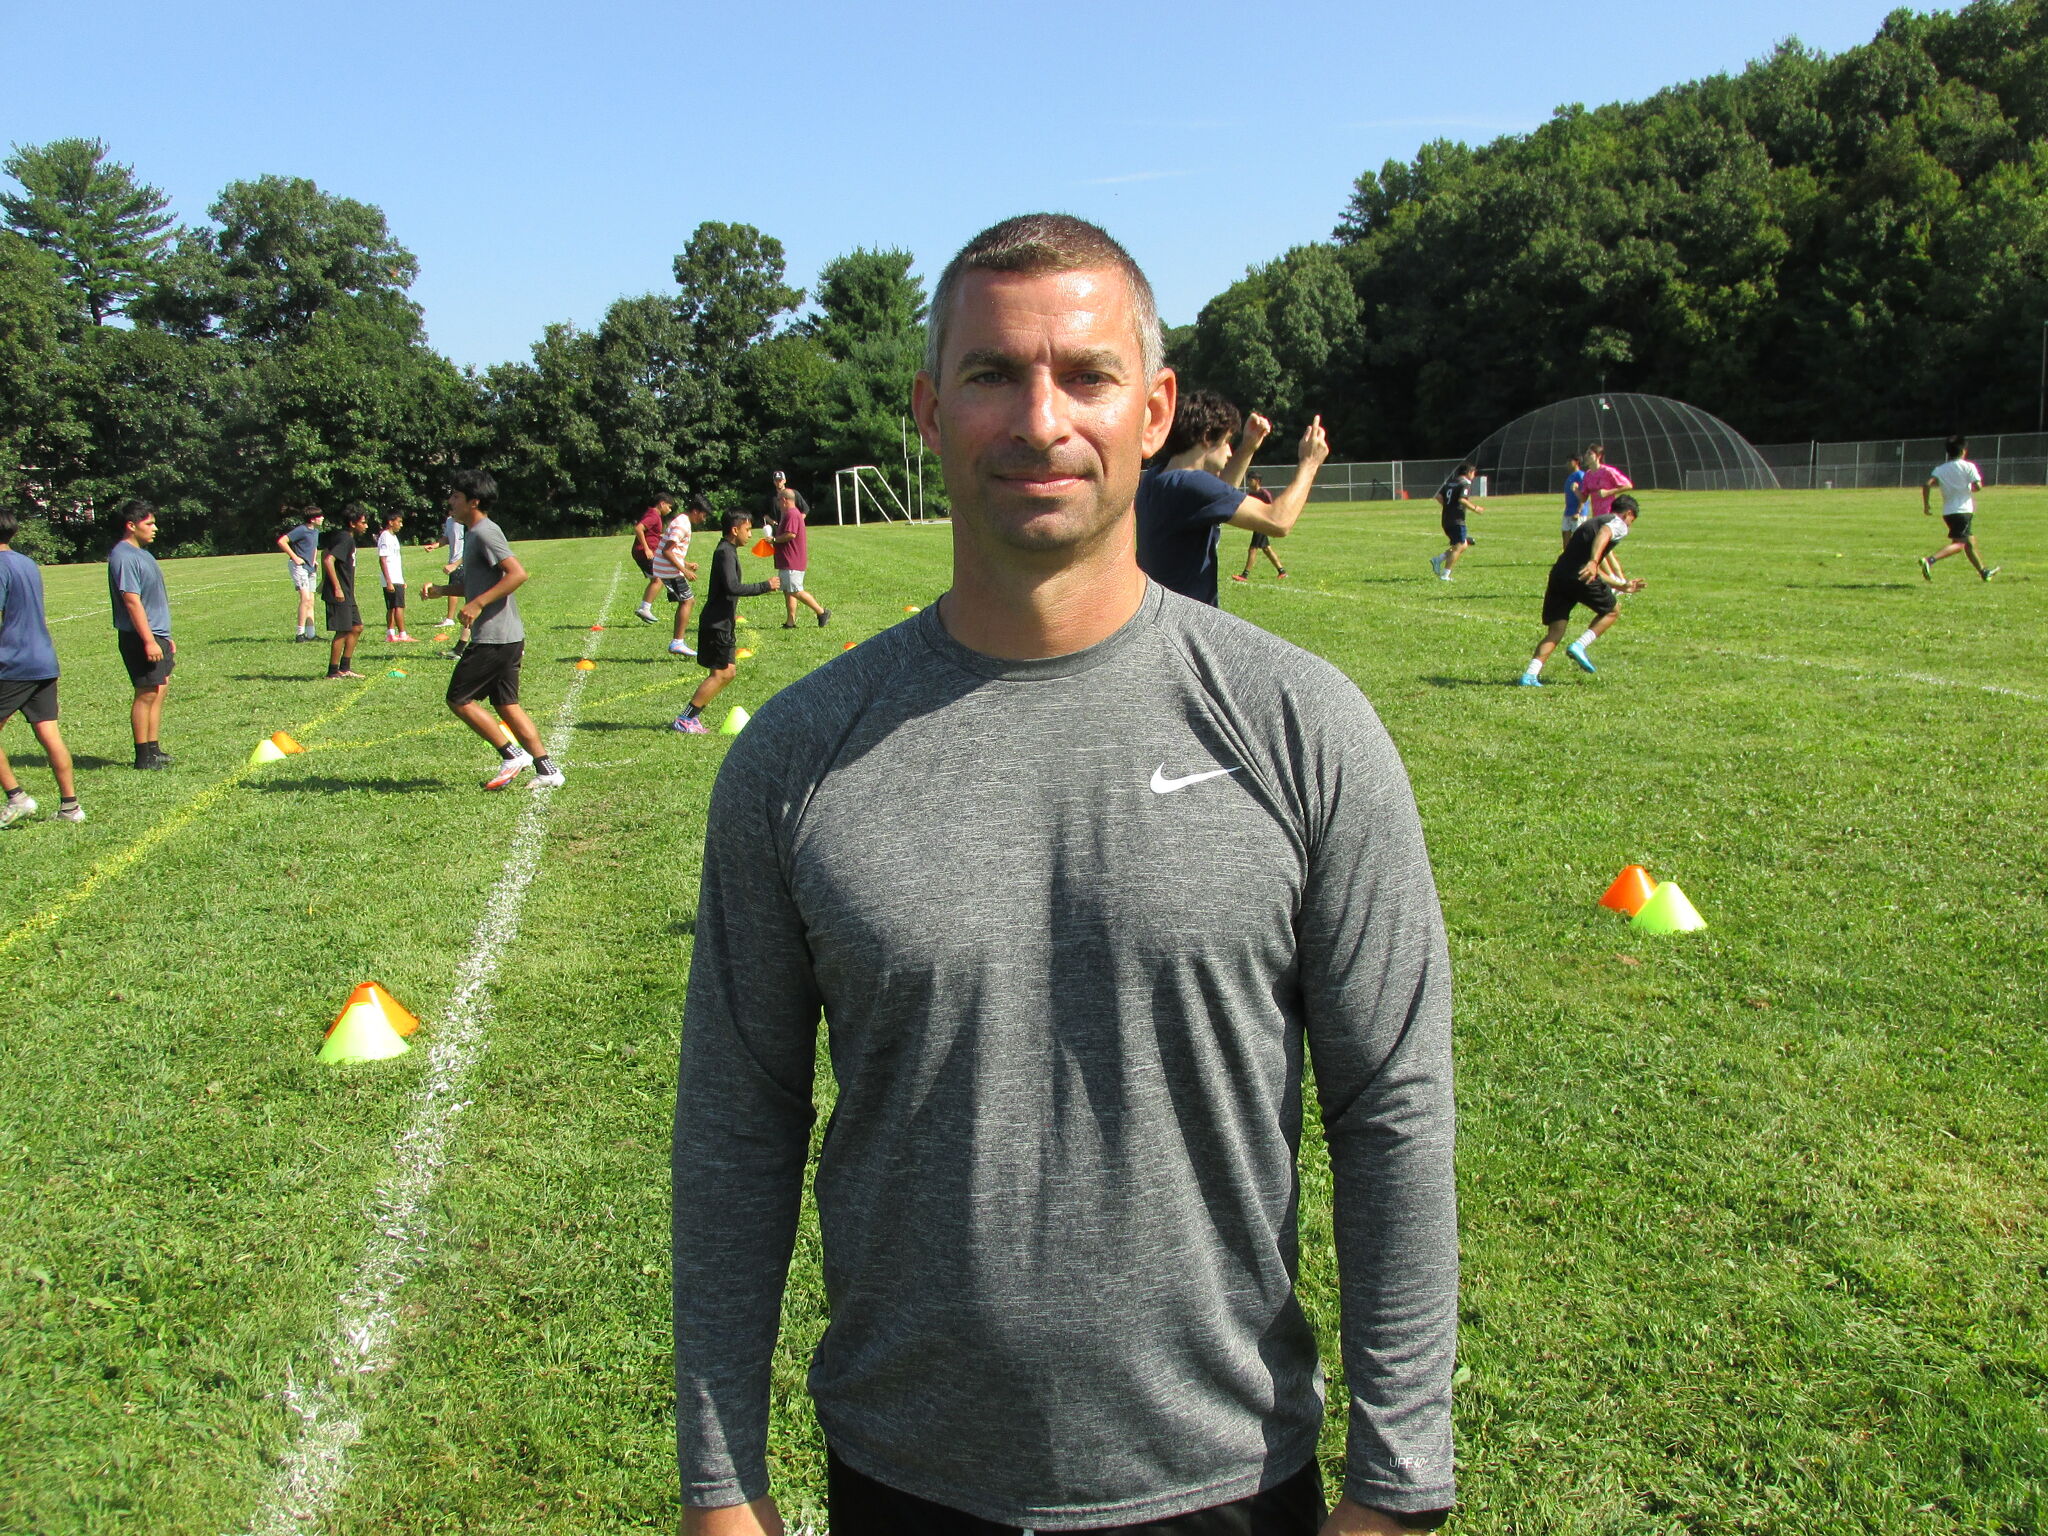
(542, 160)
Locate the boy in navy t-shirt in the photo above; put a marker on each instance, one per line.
(1183, 506)
(1455, 497)
(28, 678)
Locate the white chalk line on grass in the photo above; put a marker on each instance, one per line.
(107, 612)
(365, 1325)
(1846, 668)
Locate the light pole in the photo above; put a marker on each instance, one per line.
(2041, 409)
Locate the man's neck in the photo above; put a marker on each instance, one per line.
(1193, 458)
(1016, 610)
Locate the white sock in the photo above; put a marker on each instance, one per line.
(1535, 668)
(1588, 638)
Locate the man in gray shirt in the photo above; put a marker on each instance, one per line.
(489, 666)
(1078, 872)
(142, 628)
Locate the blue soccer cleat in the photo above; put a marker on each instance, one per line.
(1529, 680)
(1577, 652)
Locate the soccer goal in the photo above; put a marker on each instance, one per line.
(863, 486)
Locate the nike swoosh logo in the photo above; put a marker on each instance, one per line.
(1162, 785)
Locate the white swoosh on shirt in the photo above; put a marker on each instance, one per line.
(1162, 785)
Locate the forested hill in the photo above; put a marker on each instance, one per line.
(1832, 247)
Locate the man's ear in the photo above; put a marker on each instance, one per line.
(1159, 408)
(924, 408)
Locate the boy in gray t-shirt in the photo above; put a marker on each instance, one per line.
(488, 668)
(142, 627)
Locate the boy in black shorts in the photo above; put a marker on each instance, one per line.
(28, 678)
(1588, 573)
(1262, 543)
(142, 628)
(338, 581)
(489, 668)
(715, 629)
(1455, 497)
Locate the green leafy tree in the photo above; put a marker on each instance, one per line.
(92, 215)
(40, 439)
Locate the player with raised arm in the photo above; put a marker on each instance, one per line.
(1183, 506)
(717, 629)
(1959, 482)
(1586, 572)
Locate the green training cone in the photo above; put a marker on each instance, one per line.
(267, 751)
(735, 722)
(1668, 911)
(362, 1033)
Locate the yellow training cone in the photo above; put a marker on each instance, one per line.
(735, 722)
(741, 654)
(267, 751)
(362, 1033)
(284, 742)
(1668, 911)
(741, 618)
(586, 665)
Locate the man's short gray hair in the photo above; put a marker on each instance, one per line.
(1031, 245)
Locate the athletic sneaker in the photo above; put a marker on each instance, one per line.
(402, 638)
(1436, 566)
(694, 726)
(445, 624)
(1240, 577)
(69, 813)
(1281, 574)
(644, 614)
(1577, 652)
(1993, 572)
(351, 672)
(680, 648)
(16, 810)
(510, 769)
(1927, 567)
(548, 780)
(825, 614)
(1529, 680)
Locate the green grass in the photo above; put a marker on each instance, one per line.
(1753, 1221)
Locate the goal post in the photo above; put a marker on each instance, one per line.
(865, 490)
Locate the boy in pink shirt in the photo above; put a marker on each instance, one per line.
(1602, 484)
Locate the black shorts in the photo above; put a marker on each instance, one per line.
(143, 672)
(343, 617)
(715, 645)
(36, 699)
(394, 599)
(1454, 530)
(677, 588)
(1262, 541)
(860, 1506)
(645, 562)
(488, 672)
(1958, 524)
(1565, 591)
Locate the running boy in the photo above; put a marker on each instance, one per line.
(716, 632)
(391, 565)
(338, 579)
(1603, 482)
(1588, 573)
(142, 628)
(1960, 482)
(647, 535)
(28, 678)
(1455, 497)
(302, 546)
(675, 570)
(1262, 543)
(793, 557)
(489, 667)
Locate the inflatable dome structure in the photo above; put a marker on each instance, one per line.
(1660, 443)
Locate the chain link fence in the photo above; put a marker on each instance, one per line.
(1380, 480)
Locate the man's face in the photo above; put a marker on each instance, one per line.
(358, 524)
(741, 529)
(462, 509)
(1042, 415)
(393, 524)
(144, 532)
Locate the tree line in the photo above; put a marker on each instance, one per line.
(1821, 247)
(273, 358)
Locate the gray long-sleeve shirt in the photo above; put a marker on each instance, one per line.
(1070, 923)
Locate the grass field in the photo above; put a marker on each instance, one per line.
(1755, 1222)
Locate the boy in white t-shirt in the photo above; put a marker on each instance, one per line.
(674, 568)
(1959, 482)
(391, 561)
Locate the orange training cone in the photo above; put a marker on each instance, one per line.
(586, 665)
(284, 743)
(373, 993)
(372, 1026)
(763, 548)
(1632, 888)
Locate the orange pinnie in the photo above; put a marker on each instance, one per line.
(1631, 890)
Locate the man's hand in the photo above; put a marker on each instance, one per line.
(1315, 443)
(1590, 571)
(774, 583)
(151, 649)
(1256, 430)
(760, 1518)
(690, 569)
(1633, 587)
(470, 613)
(1349, 1519)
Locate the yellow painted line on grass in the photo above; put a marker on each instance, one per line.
(116, 864)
